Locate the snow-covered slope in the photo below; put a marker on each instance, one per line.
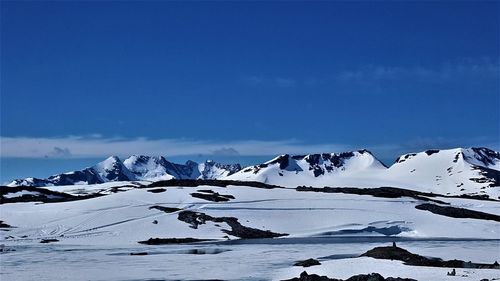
(130, 216)
(97, 238)
(314, 169)
(452, 171)
(136, 167)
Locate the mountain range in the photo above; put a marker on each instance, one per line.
(134, 168)
(452, 171)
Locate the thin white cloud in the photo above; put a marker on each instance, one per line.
(98, 147)
(482, 68)
(80, 147)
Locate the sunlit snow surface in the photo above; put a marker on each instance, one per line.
(96, 236)
(452, 171)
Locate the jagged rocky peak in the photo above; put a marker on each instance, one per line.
(113, 169)
(143, 159)
(148, 167)
(214, 170)
(482, 156)
(231, 167)
(135, 167)
(322, 163)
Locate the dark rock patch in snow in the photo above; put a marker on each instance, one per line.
(385, 192)
(165, 209)
(282, 160)
(139, 254)
(392, 192)
(307, 263)
(237, 229)
(45, 241)
(405, 157)
(304, 276)
(387, 231)
(490, 176)
(431, 151)
(213, 196)
(157, 190)
(4, 225)
(485, 155)
(165, 241)
(455, 212)
(408, 258)
(219, 183)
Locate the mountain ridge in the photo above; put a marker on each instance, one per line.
(474, 170)
(134, 168)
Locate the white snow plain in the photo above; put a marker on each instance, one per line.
(96, 236)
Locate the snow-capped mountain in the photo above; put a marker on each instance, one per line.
(452, 171)
(214, 170)
(113, 169)
(313, 169)
(134, 168)
(155, 168)
(459, 170)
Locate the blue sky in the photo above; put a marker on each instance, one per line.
(243, 80)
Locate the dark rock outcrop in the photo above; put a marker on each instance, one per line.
(391, 192)
(157, 190)
(455, 212)
(485, 155)
(431, 151)
(219, 183)
(165, 209)
(408, 258)
(212, 196)
(304, 276)
(385, 192)
(45, 241)
(237, 229)
(4, 225)
(307, 263)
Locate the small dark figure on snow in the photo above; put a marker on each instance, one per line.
(452, 273)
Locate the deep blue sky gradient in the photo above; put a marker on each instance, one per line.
(343, 72)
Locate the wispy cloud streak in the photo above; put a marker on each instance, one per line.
(484, 68)
(98, 146)
(79, 147)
